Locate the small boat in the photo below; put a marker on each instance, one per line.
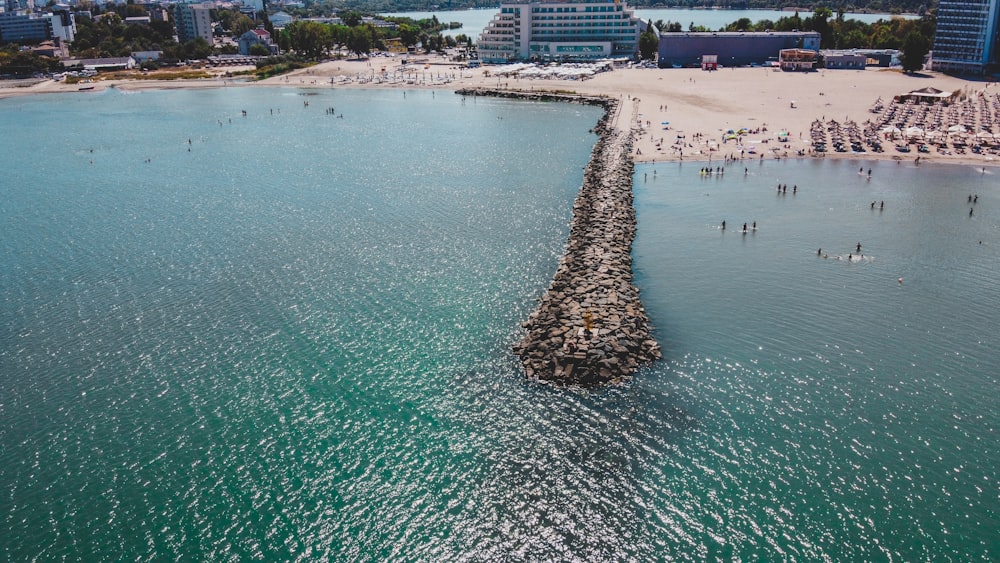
(83, 88)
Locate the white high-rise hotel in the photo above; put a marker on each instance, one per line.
(966, 37)
(560, 30)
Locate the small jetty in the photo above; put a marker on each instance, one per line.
(590, 327)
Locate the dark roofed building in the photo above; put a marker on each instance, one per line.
(733, 48)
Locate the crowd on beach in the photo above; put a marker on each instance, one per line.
(969, 125)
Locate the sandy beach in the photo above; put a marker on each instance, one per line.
(678, 113)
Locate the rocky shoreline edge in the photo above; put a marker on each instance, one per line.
(590, 327)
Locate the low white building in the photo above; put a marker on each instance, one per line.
(108, 63)
(837, 59)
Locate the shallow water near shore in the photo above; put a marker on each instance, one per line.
(293, 341)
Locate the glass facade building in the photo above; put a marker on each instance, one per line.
(966, 37)
(560, 31)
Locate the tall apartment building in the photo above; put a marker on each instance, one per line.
(24, 29)
(32, 28)
(193, 21)
(966, 37)
(555, 30)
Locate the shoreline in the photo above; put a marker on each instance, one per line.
(590, 327)
(681, 114)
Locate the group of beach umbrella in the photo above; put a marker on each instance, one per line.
(970, 121)
(565, 71)
(848, 136)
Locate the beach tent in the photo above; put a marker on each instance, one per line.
(912, 132)
(927, 94)
(891, 131)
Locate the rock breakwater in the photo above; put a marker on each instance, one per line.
(590, 326)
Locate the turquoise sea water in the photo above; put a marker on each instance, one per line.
(292, 342)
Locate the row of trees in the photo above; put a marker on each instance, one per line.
(839, 32)
(313, 39)
(877, 6)
(327, 7)
(14, 62)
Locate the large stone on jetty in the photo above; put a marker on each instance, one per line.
(590, 326)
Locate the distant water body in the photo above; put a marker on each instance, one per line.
(473, 21)
(287, 335)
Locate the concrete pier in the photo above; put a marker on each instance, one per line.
(590, 326)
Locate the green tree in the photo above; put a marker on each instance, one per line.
(197, 48)
(409, 35)
(915, 48)
(648, 44)
(135, 11)
(226, 17)
(285, 40)
(241, 24)
(819, 23)
(25, 63)
(742, 24)
(309, 39)
(359, 40)
(351, 18)
(259, 50)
